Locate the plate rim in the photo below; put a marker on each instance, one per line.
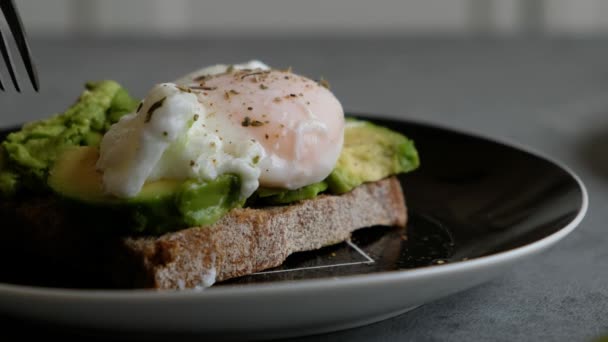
(349, 281)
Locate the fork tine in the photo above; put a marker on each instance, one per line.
(1, 85)
(8, 60)
(14, 22)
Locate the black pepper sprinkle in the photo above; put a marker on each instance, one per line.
(195, 117)
(286, 77)
(266, 136)
(234, 92)
(192, 163)
(256, 123)
(263, 87)
(249, 108)
(139, 107)
(165, 133)
(154, 107)
(246, 122)
(292, 95)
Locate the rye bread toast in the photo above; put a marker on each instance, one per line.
(244, 241)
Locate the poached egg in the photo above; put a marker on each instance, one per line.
(272, 128)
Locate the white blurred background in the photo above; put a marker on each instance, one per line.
(251, 18)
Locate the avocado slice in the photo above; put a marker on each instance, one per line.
(370, 153)
(204, 202)
(159, 207)
(271, 196)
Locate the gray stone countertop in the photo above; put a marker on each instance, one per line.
(550, 95)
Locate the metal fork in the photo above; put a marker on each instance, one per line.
(14, 23)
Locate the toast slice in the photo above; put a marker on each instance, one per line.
(244, 241)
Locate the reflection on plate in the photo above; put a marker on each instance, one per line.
(476, 207)
(370, 250)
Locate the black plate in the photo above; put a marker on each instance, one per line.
(471, 197)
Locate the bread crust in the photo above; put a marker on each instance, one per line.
(244, 241)
(250, 240)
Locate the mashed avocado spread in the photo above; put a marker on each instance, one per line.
(26, 156)
(58, 155)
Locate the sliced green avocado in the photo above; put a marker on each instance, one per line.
(202, 203)
(159, 207)
(74, 176)
(281, 196)
(370, 153)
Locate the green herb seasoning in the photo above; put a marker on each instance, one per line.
(153, 108)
